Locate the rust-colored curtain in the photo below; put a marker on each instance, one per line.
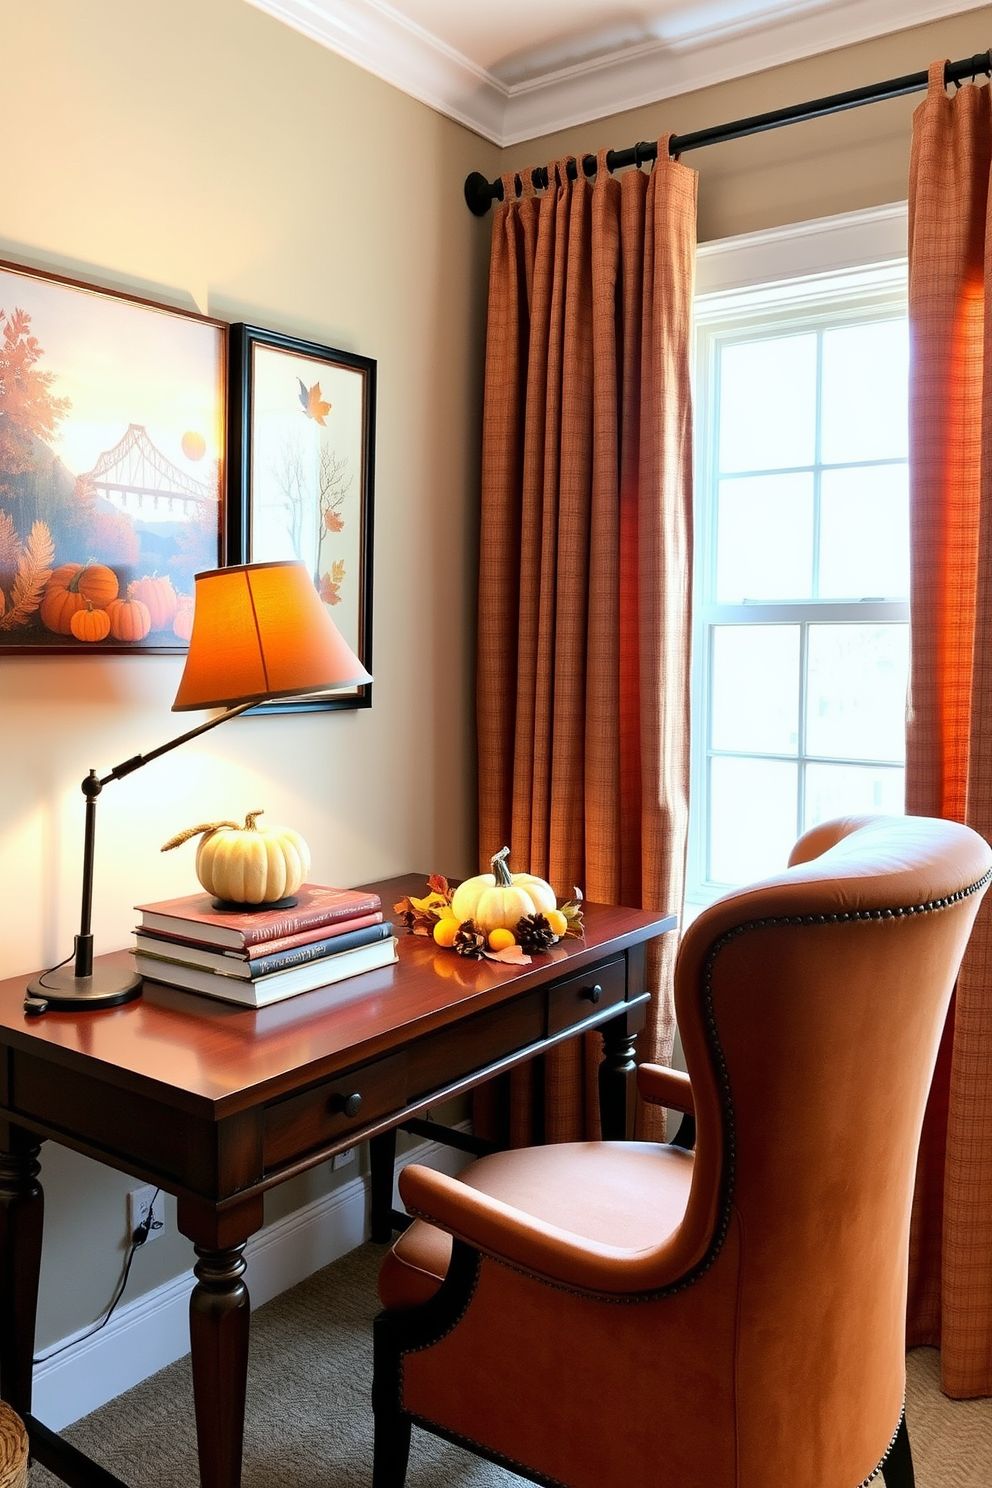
(584, 591)
(949, 737)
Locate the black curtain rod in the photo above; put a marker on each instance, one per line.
(480, 193)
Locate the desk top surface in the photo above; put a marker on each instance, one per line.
(201, 1049)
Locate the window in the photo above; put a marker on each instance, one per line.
(801, 633)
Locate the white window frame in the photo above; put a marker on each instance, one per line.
(799, 275)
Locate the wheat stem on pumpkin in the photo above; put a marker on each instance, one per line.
(182, 837)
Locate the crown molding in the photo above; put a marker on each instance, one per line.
(383, 42)
(379, 39)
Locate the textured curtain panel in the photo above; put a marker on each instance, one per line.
(949, 736)
(584, 592)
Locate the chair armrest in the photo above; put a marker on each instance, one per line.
(660, 1086)
(532, 1245)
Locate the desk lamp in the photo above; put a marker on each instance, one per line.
(260, 632)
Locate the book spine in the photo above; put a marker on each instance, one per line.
(318, 950)
(292, 924)
(270, 945)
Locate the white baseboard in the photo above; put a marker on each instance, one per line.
(145, 1335)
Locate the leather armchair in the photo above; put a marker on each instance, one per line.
(639, 1315)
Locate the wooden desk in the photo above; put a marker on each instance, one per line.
(216, 1104)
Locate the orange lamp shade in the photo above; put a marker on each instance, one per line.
(260, 631)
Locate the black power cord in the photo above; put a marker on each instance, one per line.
(138, 1238)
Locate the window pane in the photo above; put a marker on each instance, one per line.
(865, 404)
(755, 688)
(765, 538)
(768, 403)
(752, 818)
(846, 790)
(864, 533)
(856, 691)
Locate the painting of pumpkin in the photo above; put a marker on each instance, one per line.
(129, 619)
(73, 586)
(158, 597)
(182, 625)
(90, 624)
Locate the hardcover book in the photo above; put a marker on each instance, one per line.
(195, 918)
(264, 990)
(239, 964)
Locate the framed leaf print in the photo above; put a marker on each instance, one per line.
(301, 445)
(112, 425)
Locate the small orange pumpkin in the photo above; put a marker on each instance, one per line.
(158, 597)
(90, 624)
(129, 619)
(182, 624)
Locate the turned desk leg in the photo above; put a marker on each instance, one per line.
(218, 1330)
(22, 1209)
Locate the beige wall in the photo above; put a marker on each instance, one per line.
(203, 152)
(836, 164)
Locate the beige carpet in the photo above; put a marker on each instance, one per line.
(309, 1419)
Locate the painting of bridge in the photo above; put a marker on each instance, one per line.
(111, 442)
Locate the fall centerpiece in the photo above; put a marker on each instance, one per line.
(502, 915)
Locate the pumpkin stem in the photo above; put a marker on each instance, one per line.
(501, 871)
(182, 837)
(250, 819)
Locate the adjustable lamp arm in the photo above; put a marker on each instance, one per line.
(91, 788)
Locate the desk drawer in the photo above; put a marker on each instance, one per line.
(295, 1126)
(572, 1001)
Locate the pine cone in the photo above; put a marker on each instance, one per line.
(469, 939)
(534, 934)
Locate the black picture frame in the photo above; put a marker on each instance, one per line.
(301, 467)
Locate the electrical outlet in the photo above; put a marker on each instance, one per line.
(342, 1159)
(144, 1203)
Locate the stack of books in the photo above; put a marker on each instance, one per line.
(258, 957)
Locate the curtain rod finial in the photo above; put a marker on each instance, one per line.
(478, 194)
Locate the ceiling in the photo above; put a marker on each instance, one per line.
(515, 69)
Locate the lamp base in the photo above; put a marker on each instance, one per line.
(64, 992)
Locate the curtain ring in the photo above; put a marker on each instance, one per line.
(638, 158)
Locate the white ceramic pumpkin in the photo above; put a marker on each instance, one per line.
(499, 900)
(249, 864)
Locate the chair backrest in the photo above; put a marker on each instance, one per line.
(811, 1008)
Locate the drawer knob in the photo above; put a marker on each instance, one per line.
(593, 994)
(348, 1105)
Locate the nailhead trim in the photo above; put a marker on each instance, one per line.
(866, 1483)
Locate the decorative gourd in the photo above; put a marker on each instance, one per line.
(158, 597)
(90, 624)
(182, 624)
(129, 619)
(495, 900)
(249, 864)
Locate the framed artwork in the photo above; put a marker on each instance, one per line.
(301, 447)
(112, 425)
